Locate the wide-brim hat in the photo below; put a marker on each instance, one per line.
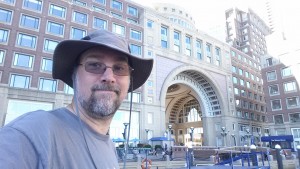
(67, 53)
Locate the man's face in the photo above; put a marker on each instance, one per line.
(100, 95)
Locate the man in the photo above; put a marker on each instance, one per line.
(101, 71)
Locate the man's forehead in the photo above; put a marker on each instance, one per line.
(102, 53)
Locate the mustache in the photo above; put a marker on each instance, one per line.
(106, 87)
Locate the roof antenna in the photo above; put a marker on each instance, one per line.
(129, 126)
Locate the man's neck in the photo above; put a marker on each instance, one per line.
(99, 125)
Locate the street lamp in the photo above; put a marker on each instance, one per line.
(125, 130)
(248, 135)
(192, 134)
(147, 130)
(259, 141)
(224, 134)
(234, 141)
(169, 134)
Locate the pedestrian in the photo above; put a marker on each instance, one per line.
(101, 70)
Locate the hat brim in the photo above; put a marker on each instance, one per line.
(67, 52)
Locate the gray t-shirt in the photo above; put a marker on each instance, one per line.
(53, 139)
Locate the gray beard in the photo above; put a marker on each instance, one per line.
(101, 108)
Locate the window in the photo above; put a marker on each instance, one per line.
(98, 9)
(199, 49)
(150, 118)
(280, 132)
(20, 81)
(9, 1)
(278, 119)
(133, 21)
(57, 11)
(68, 90)
(33, 4)
(5, 16)
(273, 90)
(119, 16)
(286, 72)
(79, 2)
(208, 53)
(269, 61)
(26, 41)
(136, 35)
(177, 38)
(188, 49)
(55, 28)
(150, 23)
(100, 1)
(236, 91)
(79, 17)
(242, 82)
(246, 74)
(23, 60)
(132, 11)
(243, 93)
(241, 72)
(136, 97)
(77, 33)
(234, 80)
(50, 45)
(118, 29)
(29, 22)
(276, 104)
(289, 86)
(3, 36)
(47, 65)
(164, 37)
(271, 75)
(48, 85)
(136, 49)
(292, 102)
(294, 117)
(233, 69)
(100, 23)
(248, 84)
(2, 54)
(117, 5)
(218, 56)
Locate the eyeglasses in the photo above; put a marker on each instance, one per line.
(99, 68)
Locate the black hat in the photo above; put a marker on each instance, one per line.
(68, 51)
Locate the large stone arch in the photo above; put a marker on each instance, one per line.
(208, 92)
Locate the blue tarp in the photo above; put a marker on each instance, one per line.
(160, 139)
(277, 138)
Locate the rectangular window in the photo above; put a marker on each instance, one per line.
(55, 28)
(48, 85)
(294, 118)
(2, 54)
(150, 118)
(3, 36)
(136, 97)
(33, 4)
(233, 69)
(136, 50)
(136, 35)
(19, 81)
(242, 83)
(27, 41)
(47, 65)
(79, 2)
(208, 53)
(273, 90)
(188, 48)
(164, 37)
(218, 56)
(29, 22)
(23, 60)
(234, 80)
(118, 29)
(236, 91)
(271, 75)
(57, 11)
(177, 41)
(98, 9)
(241, 72)
(119, 16)
(77, 33)
(269, 61)
(50, 45)
(9, 1)
(150, 23)
(276, 104)
(248, 84)
(68, 90)
(100, 1)
(5, 16)
(292, 102)
(79, 17)
(117, 5)
(132, 11)
(133, 21)
(199, 49)
(278, 119)
(100, 23)
(286, 72)
(289, 86)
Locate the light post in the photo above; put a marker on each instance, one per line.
(147, 130)
(192, 134)
(125, 130)
(224, 134)
(234, 141)
(248, 135)
(169, 135)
